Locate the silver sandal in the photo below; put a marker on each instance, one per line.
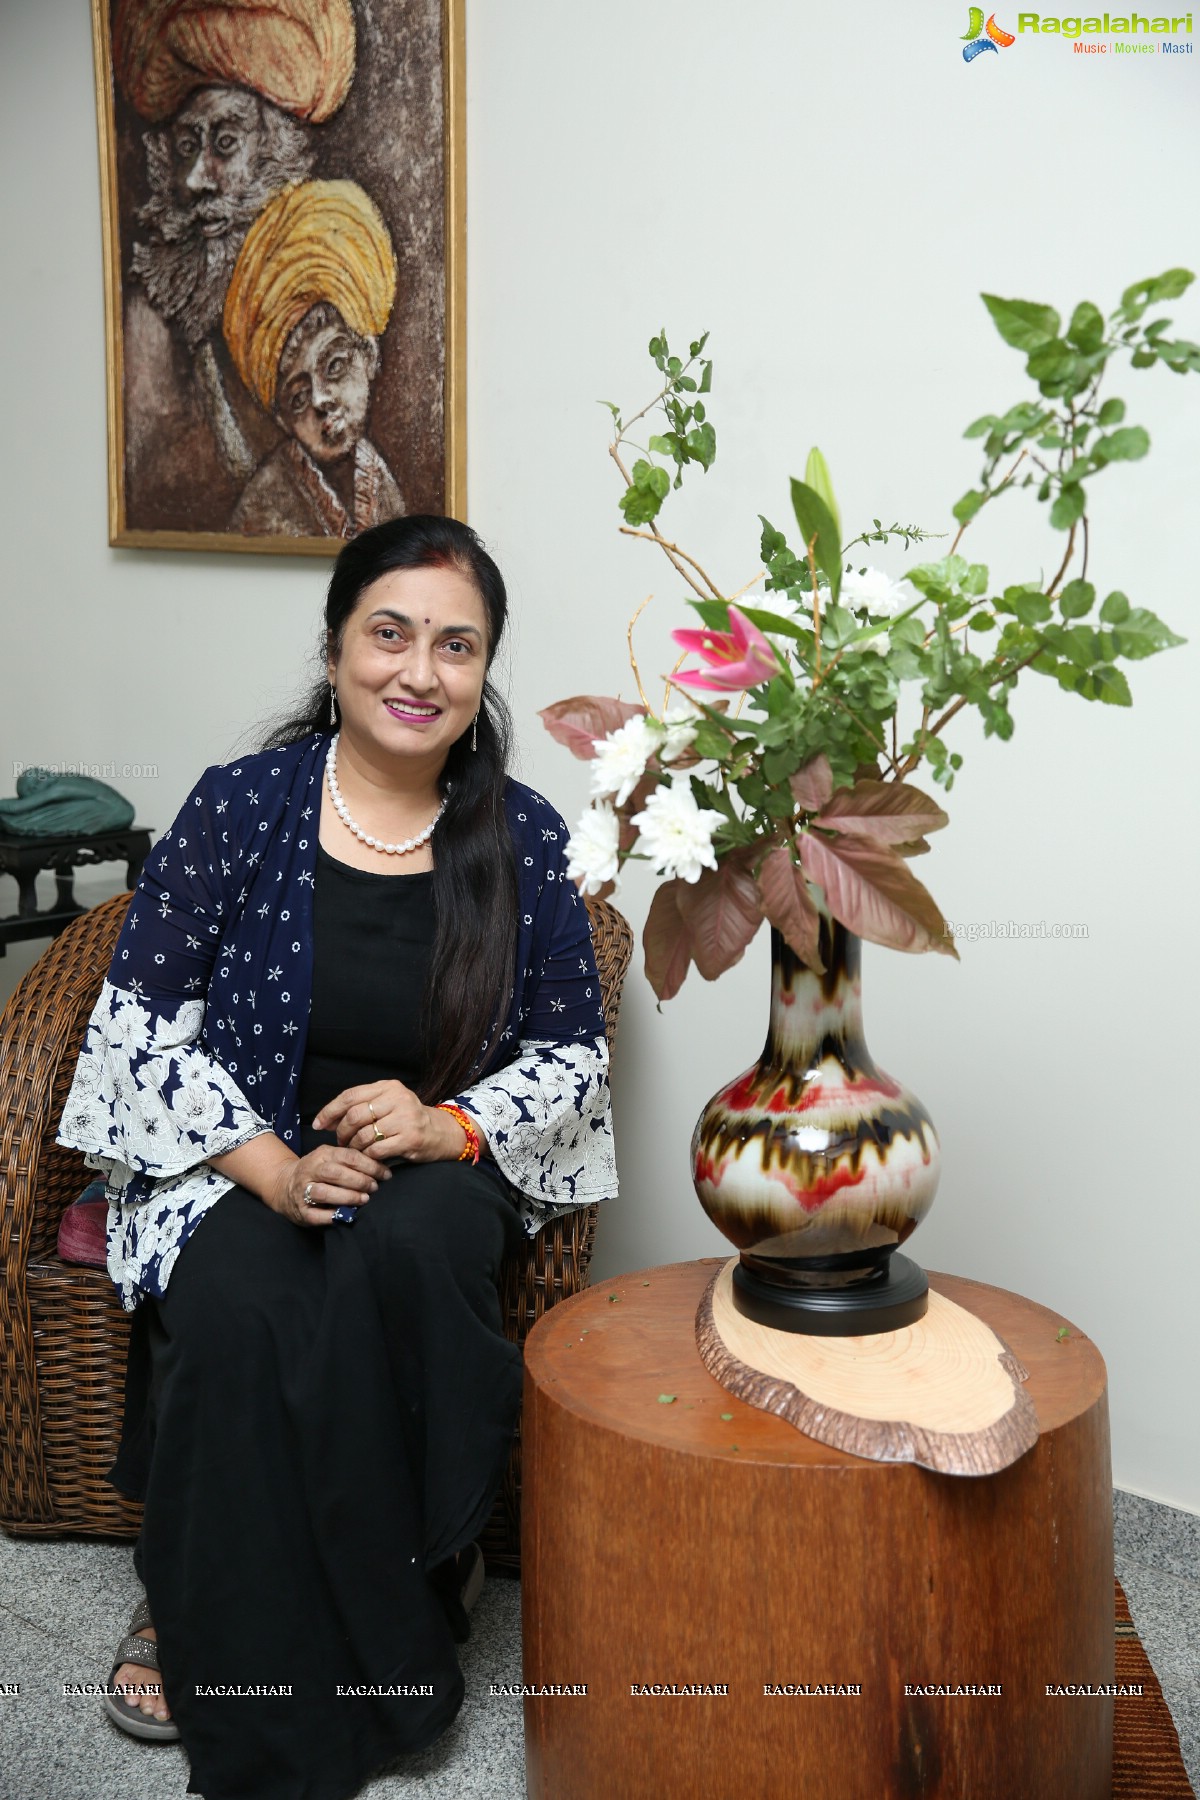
(144, 1650)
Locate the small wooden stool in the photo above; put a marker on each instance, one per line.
(24, 857)
(677, 1539)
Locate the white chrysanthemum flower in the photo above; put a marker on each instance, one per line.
(679, 721)
(876, 592)
(675, 833)
(592, 848)
(777, 601)
(621, 758)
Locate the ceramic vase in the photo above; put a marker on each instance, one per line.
(815, 1163)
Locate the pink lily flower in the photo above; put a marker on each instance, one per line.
(738, 658)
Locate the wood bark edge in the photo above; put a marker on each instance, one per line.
(983, 1452)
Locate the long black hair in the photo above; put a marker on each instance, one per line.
(474, 882)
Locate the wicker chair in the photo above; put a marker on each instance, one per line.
(63, 1332)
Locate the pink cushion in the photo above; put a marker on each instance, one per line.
(83, 1229)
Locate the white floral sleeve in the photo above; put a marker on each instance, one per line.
(548, 1123)
(145, 1098)
(148, 1104)
(148, 1108)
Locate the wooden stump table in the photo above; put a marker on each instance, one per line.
(756, 1616)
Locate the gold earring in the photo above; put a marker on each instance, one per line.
(332, 712)
(475, 732)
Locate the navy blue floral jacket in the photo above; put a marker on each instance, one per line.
(197, 1040)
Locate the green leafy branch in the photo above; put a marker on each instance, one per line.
(808, 790)
(908, 534)
(968, 649)
(689, 438)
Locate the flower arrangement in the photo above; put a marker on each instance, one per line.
(774, 781)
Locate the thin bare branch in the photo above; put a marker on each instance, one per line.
(913, 758)
(999, 489)
(632, 658)
(746, 585)
(669, 683)
(655, 536)
(939, 725)
(1062, 567)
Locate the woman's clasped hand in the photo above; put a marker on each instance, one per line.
(310, 1187)
(380, 1121)
(386, 1119)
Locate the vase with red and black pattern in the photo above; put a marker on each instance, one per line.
(816, 1164)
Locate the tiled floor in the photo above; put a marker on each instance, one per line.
(64, 1603)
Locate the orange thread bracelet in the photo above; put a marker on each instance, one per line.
(470, 1150)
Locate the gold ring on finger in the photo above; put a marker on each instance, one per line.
(371, 1110)
(378, 1135)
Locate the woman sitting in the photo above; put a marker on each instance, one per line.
(350, 1046)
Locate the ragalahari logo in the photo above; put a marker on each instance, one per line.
(975, 43)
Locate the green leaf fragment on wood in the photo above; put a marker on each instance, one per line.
(666, 1399)
(1062, 1334)
(727, 1415)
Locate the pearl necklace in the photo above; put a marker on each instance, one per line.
(343, 813)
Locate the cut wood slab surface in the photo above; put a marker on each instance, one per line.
(945, 1392)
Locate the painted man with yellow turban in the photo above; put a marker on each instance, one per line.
(310, 295)
(231, 89)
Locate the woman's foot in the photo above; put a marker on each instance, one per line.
(140, 1675)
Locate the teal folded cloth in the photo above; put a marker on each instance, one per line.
(49, 805)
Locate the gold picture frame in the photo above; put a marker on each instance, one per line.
(199, 460)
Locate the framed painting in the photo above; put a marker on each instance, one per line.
(284, 224)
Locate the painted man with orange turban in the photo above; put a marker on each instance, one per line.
(231, 89)
(310, 295)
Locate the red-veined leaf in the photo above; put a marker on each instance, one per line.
(579, 722)
(722, 912)
(813, 784)
(874, 893)
(788, 905)
(666, 941)
(887, 811)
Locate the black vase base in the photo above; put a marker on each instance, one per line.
(888, 1301)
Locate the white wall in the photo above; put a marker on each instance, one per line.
(829, 196)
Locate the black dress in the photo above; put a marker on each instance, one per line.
(317, 1419)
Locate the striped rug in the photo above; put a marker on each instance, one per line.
(1146, 1760)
